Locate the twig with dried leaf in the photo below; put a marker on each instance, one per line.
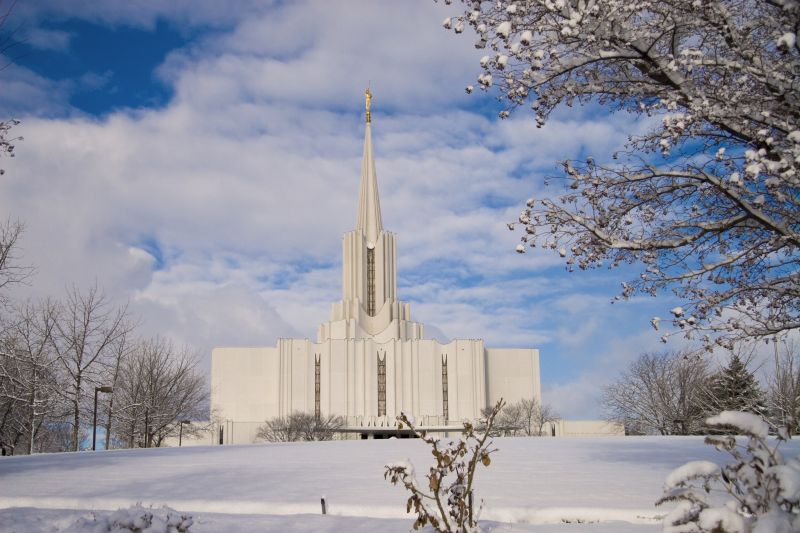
(447, 503)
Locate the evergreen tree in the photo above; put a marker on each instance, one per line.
(735, 388)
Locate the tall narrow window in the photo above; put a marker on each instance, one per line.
(317, 412)
(371, 281)
(381, 385)
(445, 406)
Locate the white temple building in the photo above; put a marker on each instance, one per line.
(370, 360)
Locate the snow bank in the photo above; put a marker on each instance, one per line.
(134, 519)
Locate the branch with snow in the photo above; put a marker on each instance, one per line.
(6, 141)
(707, 201)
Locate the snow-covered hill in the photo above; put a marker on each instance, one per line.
(533, 484)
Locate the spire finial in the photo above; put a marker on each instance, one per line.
(368, 97)
(369, 206)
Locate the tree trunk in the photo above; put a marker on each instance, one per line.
(108, 422)
(32, 421)
(76, 415)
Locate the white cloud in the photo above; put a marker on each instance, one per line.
(23, 91)
(45, 39)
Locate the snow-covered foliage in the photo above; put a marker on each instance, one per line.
(762, 489)
(707, 200)
(447, 503)
(136, 519)
(6, 141)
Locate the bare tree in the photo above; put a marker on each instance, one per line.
(537, 415)
(119, 354)
(660, 393)
(7, 42)
(37, 382)
(707, 200)
(526, 417)
(300, 426)
(158, 386)
(29, 379)
(12, 418)
(509, 421)
(11, 271)
(87, 328)
(783, 388)
(279, 429)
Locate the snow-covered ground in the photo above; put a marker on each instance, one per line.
(533, 484)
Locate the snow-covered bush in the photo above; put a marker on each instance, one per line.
(760, 490)
(135, 519)
(446, 503)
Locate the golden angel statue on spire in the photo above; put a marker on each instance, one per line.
(368, 98)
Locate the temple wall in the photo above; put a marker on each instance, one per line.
(585, 428)
(245, 383)
(512, 374)
(251, 385)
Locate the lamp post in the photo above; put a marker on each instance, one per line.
(180, 432)
(94, 424)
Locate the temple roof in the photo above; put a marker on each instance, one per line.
(369, 205)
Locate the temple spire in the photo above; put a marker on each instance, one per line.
(369, 206)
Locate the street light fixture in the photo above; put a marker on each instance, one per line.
(94, 424)
(180, 432)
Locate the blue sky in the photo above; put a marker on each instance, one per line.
(202, 163)
(120, 60)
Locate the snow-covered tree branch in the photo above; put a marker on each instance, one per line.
(707, 201)
(6, 140)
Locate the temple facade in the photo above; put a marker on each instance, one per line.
(370, 361)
